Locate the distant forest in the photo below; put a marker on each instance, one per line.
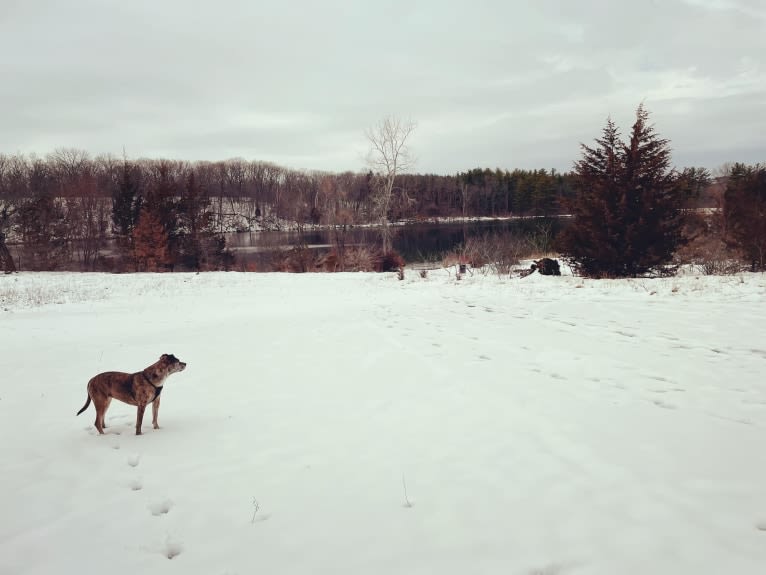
(62, 208)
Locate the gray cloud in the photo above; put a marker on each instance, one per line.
(489, 83)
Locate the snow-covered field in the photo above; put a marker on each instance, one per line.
(540, 426)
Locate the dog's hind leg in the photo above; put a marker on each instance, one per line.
(155, 411)
(101, 403)
(103, 413)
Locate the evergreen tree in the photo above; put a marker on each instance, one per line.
(162, 201)
(745, 213)
(194, 216)
(626, 210)
(126, 200)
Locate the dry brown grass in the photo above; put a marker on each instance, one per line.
(490, 253)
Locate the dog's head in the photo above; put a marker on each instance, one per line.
(170, 363)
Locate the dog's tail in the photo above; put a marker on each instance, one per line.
(84, 407)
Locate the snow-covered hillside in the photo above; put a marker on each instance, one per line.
(539, 425)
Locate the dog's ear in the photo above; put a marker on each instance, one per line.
(164, 356)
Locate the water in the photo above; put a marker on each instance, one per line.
(416, 243)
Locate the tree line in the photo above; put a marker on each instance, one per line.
(631, 212)
(68, 210)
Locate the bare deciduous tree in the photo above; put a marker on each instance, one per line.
(7, 210)
(388, 157)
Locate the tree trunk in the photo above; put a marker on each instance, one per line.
(5, 256)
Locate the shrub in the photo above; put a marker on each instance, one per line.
(298, 259)
(706, 248)
(389, 261)
(360, 259)
(329, 262)
(496, 253)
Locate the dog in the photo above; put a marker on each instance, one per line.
(139, 389)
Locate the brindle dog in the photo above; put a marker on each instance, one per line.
(139, 389)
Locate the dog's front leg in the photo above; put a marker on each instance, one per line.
(140, 418)
(155, 411)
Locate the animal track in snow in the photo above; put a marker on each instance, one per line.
(136, 485)
(625, 333)
(172, 548)
(553, 569)
(731, 419)
(161, 508)
(663, 404)
(134, 460)
(761, 526)
(668, 337)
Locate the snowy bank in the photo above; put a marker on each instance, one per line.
(539, 425)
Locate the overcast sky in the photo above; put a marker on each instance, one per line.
(506, 83)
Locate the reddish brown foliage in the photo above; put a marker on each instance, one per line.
(150, 243)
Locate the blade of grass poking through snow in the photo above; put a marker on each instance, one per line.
(256, 507)
(407, 502)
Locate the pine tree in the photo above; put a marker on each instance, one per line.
(126, 200)
(626, 210)
(162, 201)
(745, 213)
(194, 215)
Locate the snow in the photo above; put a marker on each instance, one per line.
(540, 425)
